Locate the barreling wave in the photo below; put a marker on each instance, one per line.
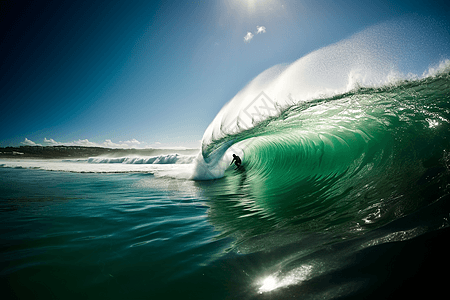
(348, 139)
(365, 157)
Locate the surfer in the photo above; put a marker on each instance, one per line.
(237, 161)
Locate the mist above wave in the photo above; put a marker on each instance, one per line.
(380, 55)
(386, 54)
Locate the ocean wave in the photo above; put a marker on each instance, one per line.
(171, 170)
(373, 62)
(342, 139)
(160, 159)
(359, 159)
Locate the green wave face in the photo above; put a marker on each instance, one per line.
(353, 161)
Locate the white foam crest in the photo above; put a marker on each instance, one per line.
(160, 159)
(218, 162)
(358, 61)
(441, 68)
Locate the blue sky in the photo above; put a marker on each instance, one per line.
(155, 73)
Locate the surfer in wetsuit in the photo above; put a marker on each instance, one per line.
(237, 161)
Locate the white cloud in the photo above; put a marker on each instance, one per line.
(260, 29)
(133, 143)
(248, 37)
(109, 144)
(51, 142)
(84, 143)
(105, 144)
(28, 142)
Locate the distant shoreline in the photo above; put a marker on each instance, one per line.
(80, 152)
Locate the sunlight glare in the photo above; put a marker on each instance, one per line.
(269, 284)
(278, 280)
(252, 6)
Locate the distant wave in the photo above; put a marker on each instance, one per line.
(160, 159)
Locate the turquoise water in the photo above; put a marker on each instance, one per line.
(353, 161)
(69, 235)
(342, 197)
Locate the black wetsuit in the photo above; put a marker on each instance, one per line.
(237, 161)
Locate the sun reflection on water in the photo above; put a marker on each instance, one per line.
(278, 280)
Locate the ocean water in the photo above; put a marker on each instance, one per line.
(344, 194)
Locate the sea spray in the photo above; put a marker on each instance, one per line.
(377, 57)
